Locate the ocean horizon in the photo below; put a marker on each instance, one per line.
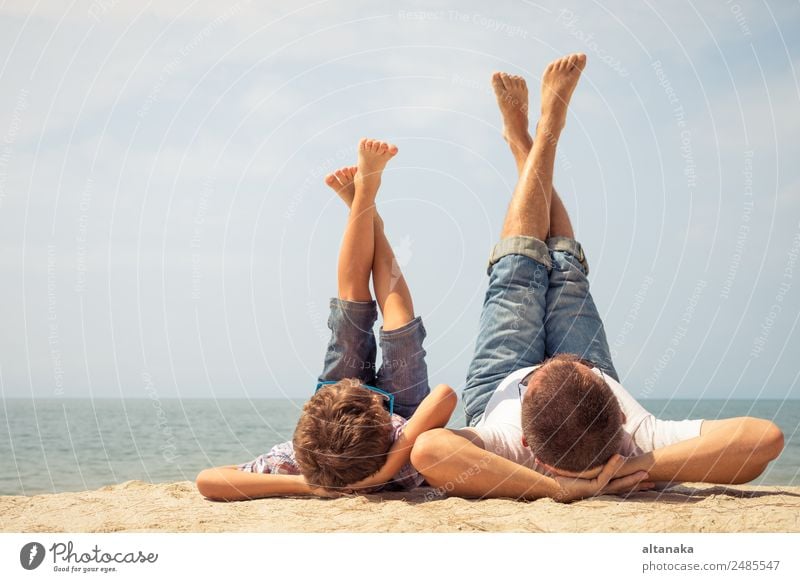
(53, 445)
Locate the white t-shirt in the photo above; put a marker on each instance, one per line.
(500, 428)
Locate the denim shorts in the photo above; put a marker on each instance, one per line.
(352, 351)
(537, 305)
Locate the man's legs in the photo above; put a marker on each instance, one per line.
(404, 371)
(572, 323)
(511, 333)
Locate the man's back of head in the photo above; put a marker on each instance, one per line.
(571, 419)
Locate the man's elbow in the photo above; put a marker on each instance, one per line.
(767, 443)
(428, 449)
(771, 443)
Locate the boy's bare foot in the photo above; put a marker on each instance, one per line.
(342, 183)
(373, 155)
(511, 92)
(558, 83)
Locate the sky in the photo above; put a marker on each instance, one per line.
(164, 227)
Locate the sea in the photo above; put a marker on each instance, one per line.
(57, 445)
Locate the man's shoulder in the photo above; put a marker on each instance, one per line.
(506, 395)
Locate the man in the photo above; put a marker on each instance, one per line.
(564, 429)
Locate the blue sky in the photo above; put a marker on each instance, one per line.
(164, 226)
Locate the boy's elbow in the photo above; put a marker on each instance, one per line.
(446, 392)
(207, 483)
(448, 396)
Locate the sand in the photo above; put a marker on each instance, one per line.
(136, 506)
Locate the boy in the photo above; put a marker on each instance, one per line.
(353, 433)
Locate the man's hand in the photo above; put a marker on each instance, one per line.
(572, 489)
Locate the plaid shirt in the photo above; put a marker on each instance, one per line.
(280, 460)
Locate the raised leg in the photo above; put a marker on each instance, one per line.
(511, 332)
(529, 211)
(404, 371)
(511, 92)
(391, 290)
(572, 323)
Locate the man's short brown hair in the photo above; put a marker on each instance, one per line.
(343, 435)
(570, 417)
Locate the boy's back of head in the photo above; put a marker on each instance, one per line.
(343, 435)
(571, 419)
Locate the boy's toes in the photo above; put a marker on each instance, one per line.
(382, 147)
(392, 150)
(330, 180)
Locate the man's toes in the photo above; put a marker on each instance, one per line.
(330, 180)
(497, 80)
(580, 61)
(382, 147)
(340, 175)
(392, 149)
(362, 144)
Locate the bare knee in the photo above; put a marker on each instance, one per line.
(358, 293)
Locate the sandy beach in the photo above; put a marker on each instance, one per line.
(135, 506)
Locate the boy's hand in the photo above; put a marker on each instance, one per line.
(572, 489)
(327, 493)
(375, 480)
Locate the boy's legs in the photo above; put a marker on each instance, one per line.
(511, 332)
(352, 349)
(404, 372)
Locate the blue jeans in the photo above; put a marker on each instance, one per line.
(352, 350)
(537, 305)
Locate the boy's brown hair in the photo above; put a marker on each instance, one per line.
(570, 417)
(343, 435)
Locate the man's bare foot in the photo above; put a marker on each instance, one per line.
(511, 92)
(373, 155)
(558, 83)
(342, 183)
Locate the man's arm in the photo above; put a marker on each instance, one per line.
(433, 412)
(731, 451)
(455, 462)
(230, 484)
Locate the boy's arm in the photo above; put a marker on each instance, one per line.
(433, 412)
(732, 450)
(454, 461)
(230, 484)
